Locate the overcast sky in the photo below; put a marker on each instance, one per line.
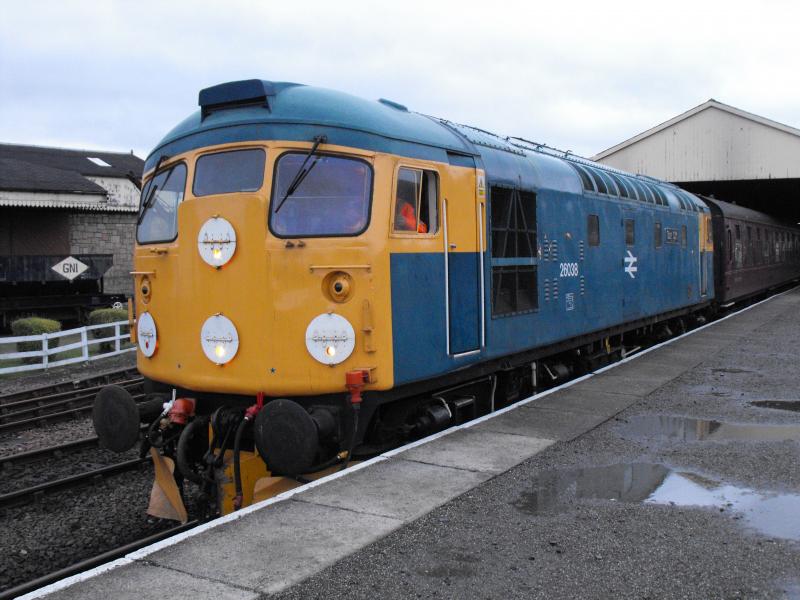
(117, 75)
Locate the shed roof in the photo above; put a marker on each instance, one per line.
(39, 168)
(711, 103)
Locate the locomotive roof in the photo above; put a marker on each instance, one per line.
(256, 109)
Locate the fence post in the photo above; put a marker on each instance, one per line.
(45, 353)
(116, 338)
(84, 344)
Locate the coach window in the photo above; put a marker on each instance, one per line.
(630, 232)
(158, 212)
(730, 245)
(593, 230)
(657, 234)
(416, 201)
(758, 253)
(748, 256)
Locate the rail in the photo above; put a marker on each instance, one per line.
(47, 350)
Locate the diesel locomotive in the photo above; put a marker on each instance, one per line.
(320, 277)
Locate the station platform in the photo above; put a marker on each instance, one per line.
(670, 474)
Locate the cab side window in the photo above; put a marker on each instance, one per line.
(416, 201)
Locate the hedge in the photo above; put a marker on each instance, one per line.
(107, 315)
(35, 326)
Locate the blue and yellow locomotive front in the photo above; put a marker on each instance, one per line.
(299, 247)
(263, 269)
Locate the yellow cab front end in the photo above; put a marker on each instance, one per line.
(234, 284)
(261, 270)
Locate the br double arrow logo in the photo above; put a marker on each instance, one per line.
(630, 265)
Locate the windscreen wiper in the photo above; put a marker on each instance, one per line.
(150, 194)
(302, 171)
(147, 202)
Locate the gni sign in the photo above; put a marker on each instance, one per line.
(70, 268)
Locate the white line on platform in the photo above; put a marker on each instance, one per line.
(147, 550)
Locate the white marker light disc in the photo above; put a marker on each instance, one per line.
(330, 339)
(216, 241)
(146, 334)
(219, 339)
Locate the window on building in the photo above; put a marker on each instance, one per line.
(630, 232)
(416, 201)
(593, 230)
(514, 251)
(657, 234)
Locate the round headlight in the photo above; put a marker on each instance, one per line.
(147, 334)
(219, 339)
(330, 339)
(216, 241)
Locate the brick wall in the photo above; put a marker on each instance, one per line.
(107, 233)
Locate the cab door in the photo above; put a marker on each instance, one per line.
(462, 218)
(631, 286)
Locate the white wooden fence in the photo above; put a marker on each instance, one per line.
(47, 350)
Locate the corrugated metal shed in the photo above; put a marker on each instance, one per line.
(711, 142)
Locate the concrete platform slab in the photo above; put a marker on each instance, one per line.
(396, 488)
(653, 365)
(686, 356)
(274, 548)
(586, 397)
(631, 383)
(536, 421)
(139, 581)
(476, 450)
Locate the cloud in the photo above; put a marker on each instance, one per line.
(581, 75)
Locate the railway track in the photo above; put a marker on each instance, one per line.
(30, 494)
(40, 454)
(62, 401)
(94, 561)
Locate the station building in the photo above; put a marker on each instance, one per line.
(67, 227)
(717, 150)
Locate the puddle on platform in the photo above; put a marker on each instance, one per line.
(793, 405)
(682, 429)
(773, 514)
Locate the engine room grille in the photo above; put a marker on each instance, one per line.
(514, 251)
